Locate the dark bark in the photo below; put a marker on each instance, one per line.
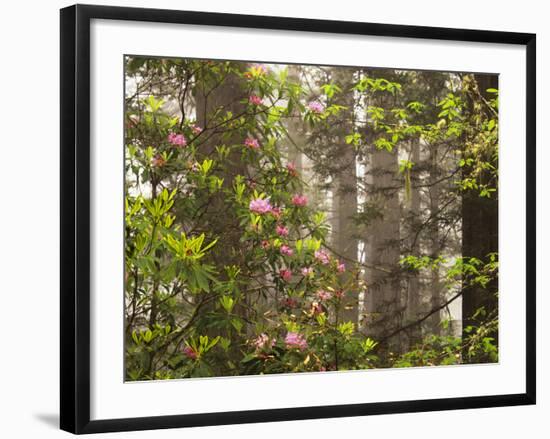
(479, 234)
(212, 102)
(436, 293)
(226, 97)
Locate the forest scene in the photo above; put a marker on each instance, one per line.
(303, 218)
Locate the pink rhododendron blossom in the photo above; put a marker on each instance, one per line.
(293, 340)
(316, 308)
(158, 161)
(263, 342)
(285, 274)
(260, 206)
(281, 230)
(290, 302)
(341, 267)
(196, 129)
(276, 212)
(286, 250)
(255, 100)
(291, 168)
(322, 256)
(324, 295)
(251, 143)
(299, 200)
(265, 244)
(316, 107)
(190, 352)
(177, 139)
(307, 271)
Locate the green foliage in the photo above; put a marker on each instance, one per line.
(187, 272)
(228, 269)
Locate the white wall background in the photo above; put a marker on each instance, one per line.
(29, 206)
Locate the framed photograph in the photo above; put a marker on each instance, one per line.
(268, 218)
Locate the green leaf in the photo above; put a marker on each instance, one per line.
(237, 324)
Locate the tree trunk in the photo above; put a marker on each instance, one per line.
(436, 293)
(296, 127)
(344, 194)
(226, 97)
(414, 291)
(383, 298)
(479, 234)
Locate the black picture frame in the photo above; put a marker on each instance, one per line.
(75, 217)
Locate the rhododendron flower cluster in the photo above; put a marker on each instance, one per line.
(281, 230)
(285, 274)
(291, 168)
(316, 107)
(324, 295)
(316, 308)
(294, 340)
(341, 267)
(190, 352)
(255, 100)
(322, 256)
(260, 206)
(290, 302)
(277, 212)
(196, 129)
(263, 342)
(299, 200)
(158, 161)
(251, 143)
(307, 271)
(286, 250)
(177, 139)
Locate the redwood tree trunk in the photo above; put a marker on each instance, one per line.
(479, 234)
